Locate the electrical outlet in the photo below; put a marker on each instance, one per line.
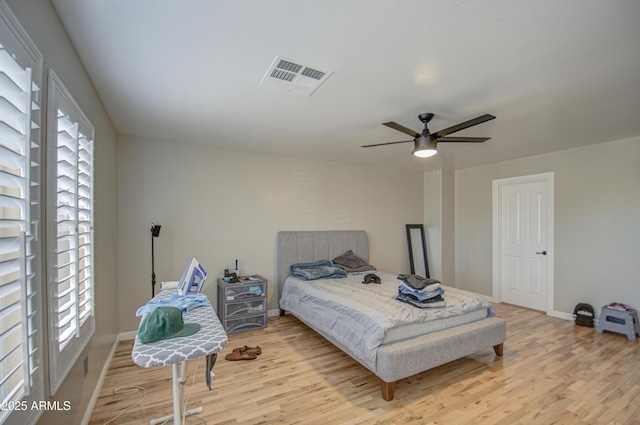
(85, 369)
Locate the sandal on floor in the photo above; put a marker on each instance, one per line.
(251, 350)
(239, 355)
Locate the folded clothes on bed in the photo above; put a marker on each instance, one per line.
(417, 282)
(419, 291)
(426, 301)
(420, 295)
(435, 302)
(322, 269)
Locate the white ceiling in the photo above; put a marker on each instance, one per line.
(557, 74)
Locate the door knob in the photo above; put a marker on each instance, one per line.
(542, 252)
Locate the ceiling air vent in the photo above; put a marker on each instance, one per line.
(294, 77)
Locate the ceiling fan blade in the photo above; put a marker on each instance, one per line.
(402, 129)
(389, 143)
(463, 125)
(463, 139)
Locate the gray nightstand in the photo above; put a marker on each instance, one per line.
(242, 306)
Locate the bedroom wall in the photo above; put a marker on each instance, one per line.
(448, 224)
(433, 221)
(221, 204)
(597, 231)
(439, 223)
(40, 20)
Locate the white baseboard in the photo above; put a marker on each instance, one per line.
(561, 315)
(125, 336)
(272, 313)
(96, 391)
(553, 313)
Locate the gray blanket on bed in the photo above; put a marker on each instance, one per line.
(322, 269)
(359, 316)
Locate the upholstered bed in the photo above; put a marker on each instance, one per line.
(391, 354)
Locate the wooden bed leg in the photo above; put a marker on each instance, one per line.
(281, 312)
(388, 389)
(498, 349)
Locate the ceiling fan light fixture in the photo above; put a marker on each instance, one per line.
(425, 147)
(425, 153)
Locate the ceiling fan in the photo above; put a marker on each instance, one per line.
(425, 143)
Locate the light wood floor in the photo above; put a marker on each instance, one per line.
(552, 372)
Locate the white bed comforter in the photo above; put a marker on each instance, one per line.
(359, 316)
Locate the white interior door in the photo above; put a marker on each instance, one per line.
(524, 249)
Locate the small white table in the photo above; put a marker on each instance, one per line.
(210, 339)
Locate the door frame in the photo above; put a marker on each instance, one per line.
(497, 187)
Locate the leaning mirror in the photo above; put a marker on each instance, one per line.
(417, 250)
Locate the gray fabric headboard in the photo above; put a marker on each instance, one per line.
(305, 247)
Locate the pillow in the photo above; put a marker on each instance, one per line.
(351, 263)
(365, 268)
(349, 259)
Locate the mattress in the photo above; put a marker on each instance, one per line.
(363, 316)
(417, 329)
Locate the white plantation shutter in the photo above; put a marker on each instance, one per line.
(20, 206)
(85, 228)
(64, 273)
(70, 230)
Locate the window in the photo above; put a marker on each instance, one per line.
(20, 210)
(69, 230)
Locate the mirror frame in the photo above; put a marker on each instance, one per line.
(412, 259)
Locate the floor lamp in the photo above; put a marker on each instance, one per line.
(155, 232)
